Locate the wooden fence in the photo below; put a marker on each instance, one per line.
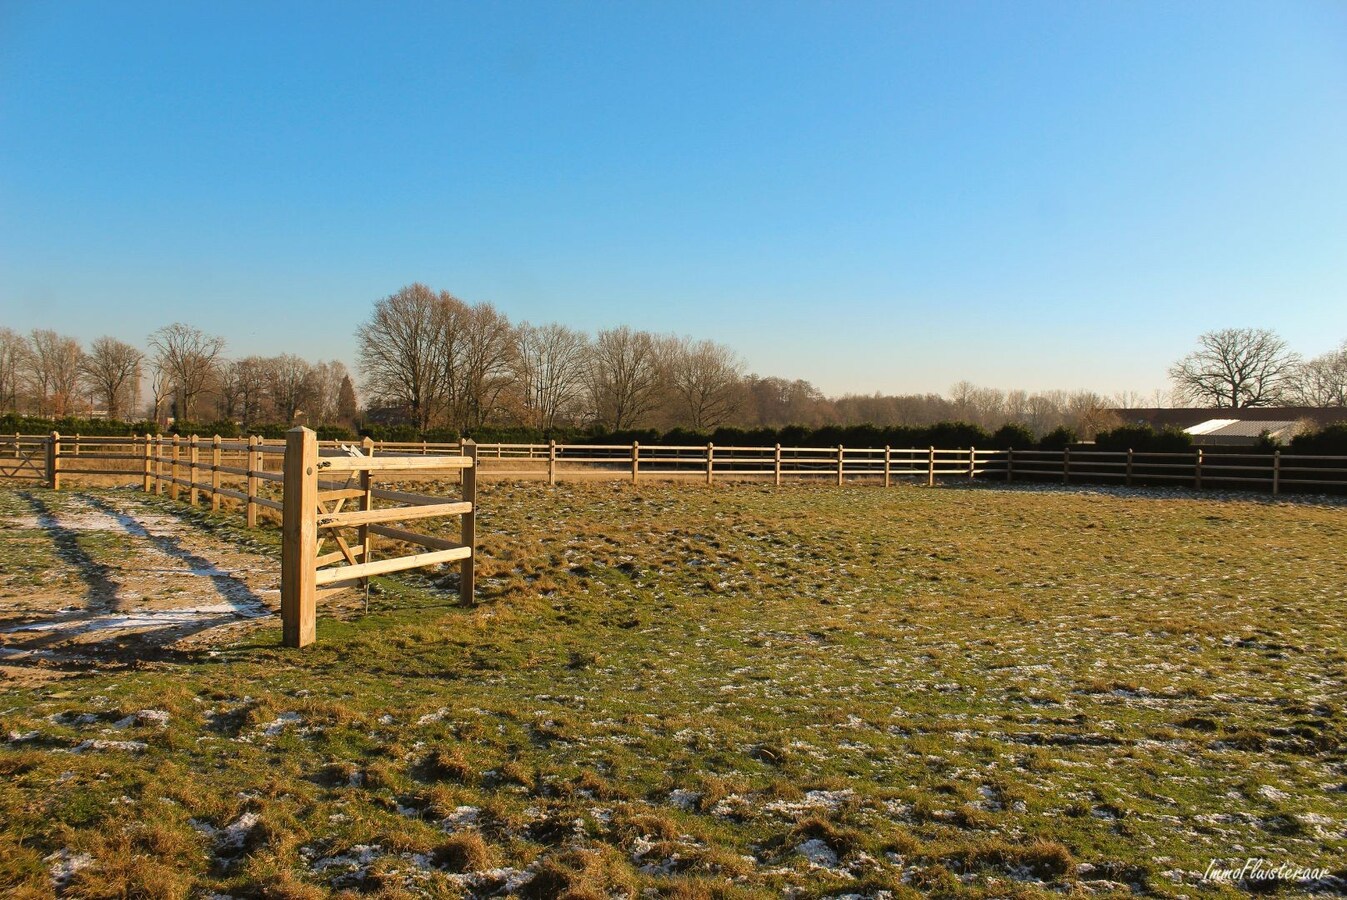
(316, 484)
(1202, 468)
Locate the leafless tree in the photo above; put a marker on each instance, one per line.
(777, 402)
(53, 371)
(1128, 400)
(1046, 411)
(289, 381)
(401, 351)
(161, 391)
(1236, 367)
(1017, 406)
(978, 405)
(111, 370)
(327, 381)
(1322, 381)
(243, 390)
(189, 357)
(1088, 413)
(623, 377)
(13, 364)
(484, 355)
(706, 380)
(549, 373)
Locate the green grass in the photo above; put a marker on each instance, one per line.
(689, 690)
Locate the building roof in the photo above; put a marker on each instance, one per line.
(1223, 428)
(1184, 417)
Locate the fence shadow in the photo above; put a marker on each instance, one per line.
(103, 629)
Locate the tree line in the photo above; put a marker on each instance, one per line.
(180, 376)
(431, 363)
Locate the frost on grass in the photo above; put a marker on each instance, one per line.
(853, 692)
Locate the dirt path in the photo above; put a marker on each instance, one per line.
(109, 578)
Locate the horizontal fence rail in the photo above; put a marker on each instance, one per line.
(240, 468)
(325, 491)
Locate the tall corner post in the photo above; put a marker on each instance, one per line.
(54, 461)
(467, 572)
(147, 480)
(193, 465)
(299, 538)
(215, 457)
(364, 535)
(254, 463)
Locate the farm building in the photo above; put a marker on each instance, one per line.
(1243, 432)
(1236, 427)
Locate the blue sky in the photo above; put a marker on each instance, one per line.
(877, 197)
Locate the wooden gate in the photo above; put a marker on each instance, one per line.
(26, 458)
(318, 508)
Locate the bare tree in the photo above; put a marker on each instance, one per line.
(1046, 411)
(1322, 381)
(243, 390)
(161, 391)
(549, 372)
(111, 370)
(706, 380)
(777, 402)
(402, 351)
(290, 385)
(1236, 367)
(53, 371)
(13, 364)
(623, 377)
(328, 377)
(188, 357)
(484, 356)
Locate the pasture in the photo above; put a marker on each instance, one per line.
(692, 691)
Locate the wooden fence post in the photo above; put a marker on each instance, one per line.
(635, 461)
(467, 568)
(1010, 465)
(1066, 465)
(193, 457)
(551, 462)
(1129, 466)
(253, 466)
(175, 470)
(930, 467)
(159, 486)
(840, 453)
(299, 538)
(147, 480)
(972, 462)
(364, 537)
(54, 461)
(710, 462)
(215, 474)
(76, 449)
(1197, 469)
(888, 464)
(777, 468)
(1276, 472)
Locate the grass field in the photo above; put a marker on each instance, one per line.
(683, 691)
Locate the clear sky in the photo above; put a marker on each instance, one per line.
(877, 197)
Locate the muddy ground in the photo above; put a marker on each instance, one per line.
(107, 579)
